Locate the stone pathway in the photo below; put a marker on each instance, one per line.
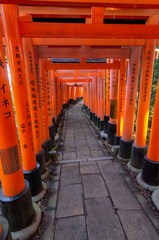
(95, 198)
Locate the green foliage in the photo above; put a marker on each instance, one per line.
(154, 85)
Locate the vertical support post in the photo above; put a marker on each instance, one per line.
(91, 102)
(13, 196)
(49, 110)
(21, 97)
(88, 94)
(150, 171)
(130, 101)
(99, 107)
(45, 138)
(52, 127)
(32, 89)
(121, 101)
(113, 106)
(39, 95)
(106, 117)
(139, 148)
(96, 101)
(101, 126)
(93, 98)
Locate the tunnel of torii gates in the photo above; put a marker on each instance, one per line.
(59, 52)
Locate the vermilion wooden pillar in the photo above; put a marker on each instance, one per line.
(139, 148)
(96, 101)
(151, 161)
(21, 98)
(39, 96)
(53, 104)
(93, 99)
(35, 111)
(113, 106)
(15, 192)
(130, 101)
(121, 101)
(46, 141)
(99, 103)
(102, 94)
(49, 110)
(10, 164)
(88, 97)
(107, 112)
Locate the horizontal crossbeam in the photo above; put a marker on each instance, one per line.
(83, 52)
(112, 3)
(65, 66)
(69, 30)
(76, 74)
(74, 80)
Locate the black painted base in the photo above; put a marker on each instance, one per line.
(90, 115)
(18, 210)
(101, 125)
(53, 120)
(5, 230)
(40, 158)
(137, 156)
(106, 120)
(88, 111)
(83, 107)
(93, 117)
(52, 134)
(116, 140)
(65, 105)
(125, 148)
(98, 122)
(150, 172)
(45, 147)
(72, 101)
(61, 114)
(111, 133)
(49, 144)
(34, 179)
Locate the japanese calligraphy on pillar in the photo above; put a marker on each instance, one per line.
(9, 155)
(121, 93)
(108, 86)
(33, 95)
(131, 98)
(147, 73)
(48, 93)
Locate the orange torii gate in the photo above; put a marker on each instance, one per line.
(118, 41)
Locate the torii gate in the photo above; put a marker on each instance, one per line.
(35, 104)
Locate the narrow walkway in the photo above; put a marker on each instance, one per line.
(96, 200)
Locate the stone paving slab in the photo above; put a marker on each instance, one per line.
(83, 152)
(88, 168)
(72, 228)
(79, 137)
(94, 186)
(121, 195)
(109, 170)
(97, 153)
(70, 175)
(69, 155)
(70, 201)
(137, 226)
(102, 223)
